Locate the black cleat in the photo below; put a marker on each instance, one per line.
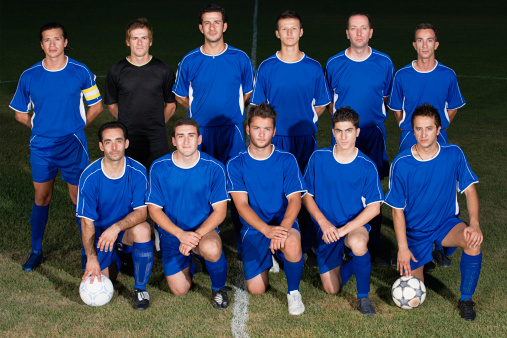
(310, 258)
(442, 260)
(141, 299)
(466, 309)
(364, 305)
(220, 298)
(33, 261)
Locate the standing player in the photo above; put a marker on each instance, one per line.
(266, 185)
(347, 195)
(187, 198)
(54, 89)
(361, 77)
(112, 210)
(425, 80)
(295, 86)
(139, 94)
(422, 193)
(214, 82)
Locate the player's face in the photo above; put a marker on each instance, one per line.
(345, 134)
(213, 26)
(359, 31)
(261, 131)
(425, 131)
(425, 43)
(186, 140)
(53, 44)
(289, 31)
(113, 144)
(139, 42)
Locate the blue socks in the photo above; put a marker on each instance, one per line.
(38, 220)
(293, 273)
(142, 255)
(346, 271)
(362, 270)
(217, 272)
(470, 268)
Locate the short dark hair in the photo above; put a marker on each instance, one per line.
(264, 110)
(113, 125)
(289, 14)
(362, 14)
(186, 121)
(427, 110)
(54, 25)
(426, 25)
(139, 23)
(212, 8)
(346, 114)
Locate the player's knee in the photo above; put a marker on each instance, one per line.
(358, 245)
(330, 288)
(293, 245)
(179, 289)
(211, 250)
(142, 233)
(42, 198)
(257, 289)
(472, 251)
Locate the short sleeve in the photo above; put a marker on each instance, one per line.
(259, 89)
(454, 98)
(111, 93)
(90, 90)
(86, 200)
(139, 193)
(389, 79)
(235, 182)
(321, 94)
(396, 97)
(395, 197)
(372, 191)
(309, 176)
(21, 101)
(247, 75)
(466, 176)
(181, 85)
(292, 180)
(218, 185)
(154, 193)
(168, 86)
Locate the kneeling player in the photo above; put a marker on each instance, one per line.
(266, 185)
(112, 210)
(188, 200)
(422, 193)
(347, 195)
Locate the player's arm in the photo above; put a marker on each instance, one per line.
(473, 233)
(404, 254)
(88, 238)
(184, 101)
(113, 109)
(248, 214)
(320, 110)
(23, 118)
(291, 213)
(398, 115)
(169, 110)
(386, 98)
(93, 111)
(108, 238)
(329, 231)
(246, 98)
(330, 107)
(451, 113)
(368, 213)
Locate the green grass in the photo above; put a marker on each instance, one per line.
(46, 302)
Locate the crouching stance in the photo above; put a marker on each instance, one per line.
(266, 185)
(344, 195)
(422, 193)
(188, 200)
(113, 213)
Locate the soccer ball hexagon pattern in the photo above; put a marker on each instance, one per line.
(97, 293)
(408, 292)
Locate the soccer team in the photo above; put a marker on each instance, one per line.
(287, 195)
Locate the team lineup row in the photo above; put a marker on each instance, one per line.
(215, 82)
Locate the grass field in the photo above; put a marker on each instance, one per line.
(46, 302)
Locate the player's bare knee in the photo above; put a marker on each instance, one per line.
(211, 250)
(358, 245)
(331, 288)
(42, 199)
(179, 290)
(257, 289)
(293, 246)
(142, 233)
(472, 251)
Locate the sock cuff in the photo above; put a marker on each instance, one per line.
(363, 259)
(40, 207)
(465, 258)
(144, 245)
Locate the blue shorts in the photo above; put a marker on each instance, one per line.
(107, 258)
(302, 147)
(255, 251)
(69, 154)
(222, 142)
(330, 256)
(421, 243)
(372, 142)
(407, 139)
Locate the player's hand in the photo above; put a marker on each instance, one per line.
(107, 239)
(190, 238)
(276, 244)
(276, 232)
(403, 264)
(473, 236)
(185, 249)
(329, 232)
(92, 269)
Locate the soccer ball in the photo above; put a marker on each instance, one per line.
(98, 293)
(408, 292)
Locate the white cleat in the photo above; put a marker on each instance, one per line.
(296, 306)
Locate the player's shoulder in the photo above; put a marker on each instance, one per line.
(77, 65)
(403, 158)
(268, 62)
(444, 69)
(365, 161)
(162, 162)
(236, 52)
(408, 69)
(451, 149)
(336, 59)
(323, 153)
(135, 166)
(307, 60)
(237, 160)
(283, 155)
(210, 161)
(380, 57)
(192, 55)
(92, 170)
(33, 70)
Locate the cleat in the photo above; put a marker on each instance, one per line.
(276, 267)
(141, 299)
(442, 260)
(310, 258)
(220, 298)
(33, 261)
(466, 309)
(364, 305)
(296, 306)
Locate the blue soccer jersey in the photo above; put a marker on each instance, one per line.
(426, 190)
(187, 195)
(342, 190)
(215, 85)
(105, 200)
(293, 89)
(267, 182)
(56, 97)
(438, 87)
(361, 85)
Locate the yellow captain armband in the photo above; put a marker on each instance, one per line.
(91, 93)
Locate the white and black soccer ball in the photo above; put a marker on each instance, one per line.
(98, 293)
(408, 292)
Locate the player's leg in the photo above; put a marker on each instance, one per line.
(256, 260)
(329, 261)
(180, 282)
(332, 280)
(293, 267)
(258, 284)
(210, 248)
